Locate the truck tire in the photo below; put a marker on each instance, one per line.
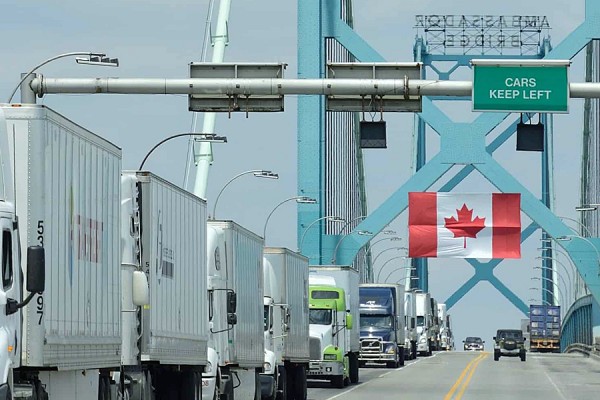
(257, 391)
(523, 357)
(496, 356)
(338, 381)
(297, 389)
(354, 368)
(291, 371)
(413, 349)
(282, 382)
(401, 356)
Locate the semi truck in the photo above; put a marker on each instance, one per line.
(410, 314)
(334, 331)
(63, 195)
(235, 312)
(435, 325)
(163, 235)
(544, 328)
(382, 324)
(446, 339)
(285, 325)
(425, 333)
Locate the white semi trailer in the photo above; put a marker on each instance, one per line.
(285, 324)
(63, 195)
(410, 312)
(235, 300)
(163, 235)
(425, 333)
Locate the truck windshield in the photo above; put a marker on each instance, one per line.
(420, 320)
(516, 335)
(319, 317)
(266, 322)
(375, 321)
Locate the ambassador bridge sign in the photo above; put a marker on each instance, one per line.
(483, 34)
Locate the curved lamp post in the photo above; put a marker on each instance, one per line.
(333, 258)
(259, 173)
(560, 292)
(569, 237)
(583, 227)
(560, 263)
(546, 290)
(299, 199)
(399, 269)
(202, 137)
(369, 252)
(383, 251)
(330, 218)
(92, 59)
(386, 263)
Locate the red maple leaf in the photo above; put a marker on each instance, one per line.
(465, 226)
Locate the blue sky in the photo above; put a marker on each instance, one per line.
(159, 38)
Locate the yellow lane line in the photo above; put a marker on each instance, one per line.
(462, 375)
(466, 382)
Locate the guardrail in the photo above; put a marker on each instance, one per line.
(585, 349)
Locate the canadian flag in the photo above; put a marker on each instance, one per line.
(474, 225)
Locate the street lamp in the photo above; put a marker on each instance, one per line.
(560, 292)
(385, 263)
(564, 267)
(547, 302)
(412, 278)
(368, 252)
(587, 207)
(259, 173)
(583, 227)
(299, 199)
(569, 237)
(399, 269)
(92, 58)
(333, 258)
(383, 251)
(330, 218)
(201, 137)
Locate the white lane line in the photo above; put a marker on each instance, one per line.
(554, 384)
(380, 376)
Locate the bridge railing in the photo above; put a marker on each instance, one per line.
(577, 326)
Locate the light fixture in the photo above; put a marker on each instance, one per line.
(98, 59)
(266, 174)
(587, 207)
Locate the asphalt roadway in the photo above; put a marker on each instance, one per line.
(474, 375)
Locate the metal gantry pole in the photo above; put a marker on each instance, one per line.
(260, 86)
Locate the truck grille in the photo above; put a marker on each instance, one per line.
(370, 346)
(314, 346)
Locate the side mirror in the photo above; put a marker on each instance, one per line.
(463, 341)
(36, 269)
(231, 319)
(494, 338)
(231, 302)
(349, 321)
(524, 339)
(140, 292)
(483, 341)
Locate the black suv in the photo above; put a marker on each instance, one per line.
(509, 343)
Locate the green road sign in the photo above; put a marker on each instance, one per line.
(521, 86)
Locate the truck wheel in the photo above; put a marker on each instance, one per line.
(496, 356)
(300, 392)
(353, 361)
(282, 383)
(257, 391)
(290, 370)
(413, 349)
(523, 357)
(401, 356)
(338, 381)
